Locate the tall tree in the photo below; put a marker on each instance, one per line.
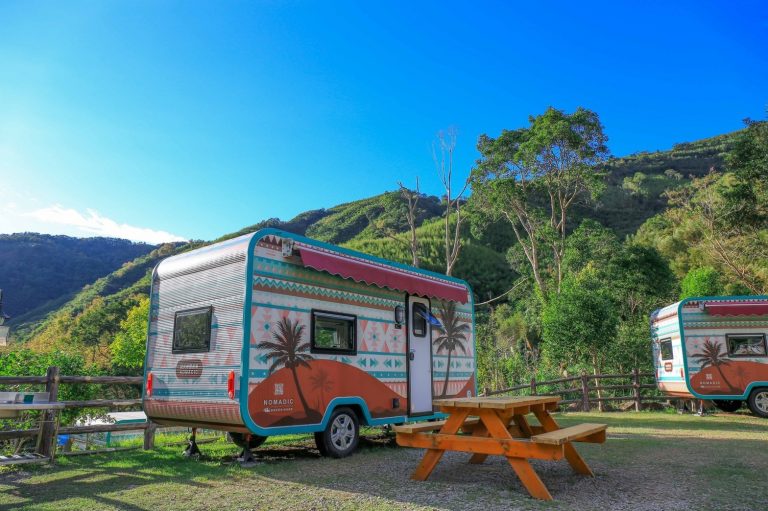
(749, 163)
(130, 344)
(411, 213)
(533, 176)
(704, 281)
(580, 322)
(442, 154)
(720, 228)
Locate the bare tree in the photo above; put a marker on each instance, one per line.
(411, 214)
(732, 246)
(412, 198)
(442, 154)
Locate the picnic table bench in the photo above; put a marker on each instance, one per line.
(498, 426)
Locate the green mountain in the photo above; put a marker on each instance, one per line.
(345, 222)
(636, 183)
(634, 193)
(39, 272)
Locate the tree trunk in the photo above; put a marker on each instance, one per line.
(733, 389)
(447, 373)
(304, 403)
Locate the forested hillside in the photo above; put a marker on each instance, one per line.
(39, 271)
(636, 184)
(631, 241)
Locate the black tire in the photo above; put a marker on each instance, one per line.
(341, 436)
(728, 405)
(758, 402)
(320, 443)
(239, 440)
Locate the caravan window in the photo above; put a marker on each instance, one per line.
(192, 330)
(419, 320)
(746, 345)
(666, 349)
(333, 333)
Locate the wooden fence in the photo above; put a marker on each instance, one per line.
(577, 389)
(48, 430)
(585, 390)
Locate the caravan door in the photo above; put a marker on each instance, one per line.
(419, 357)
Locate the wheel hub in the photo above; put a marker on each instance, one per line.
(343, 432)
(761, 401)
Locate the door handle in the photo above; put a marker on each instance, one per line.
(411, 355)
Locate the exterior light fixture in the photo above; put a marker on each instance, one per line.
(399, 315)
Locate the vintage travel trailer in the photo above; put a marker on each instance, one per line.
(714, 348)
(273, 333)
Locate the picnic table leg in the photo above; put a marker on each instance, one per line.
(497, 428)
(574, 458)
(482, 431)
(432, 456)
(522, 424)
(529, 478)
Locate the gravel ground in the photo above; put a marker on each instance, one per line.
(652, 461)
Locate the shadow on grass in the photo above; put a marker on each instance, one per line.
(95, 477)
(91, 479)
(627, 475)
(670, 422)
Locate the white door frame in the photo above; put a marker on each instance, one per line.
(420, 381)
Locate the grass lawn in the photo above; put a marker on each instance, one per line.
(651, 461)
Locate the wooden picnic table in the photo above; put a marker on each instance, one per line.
(14, 459)
(499, 426)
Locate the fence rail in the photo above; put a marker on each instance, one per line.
(568, 388)
(634, 389)
(49, 421)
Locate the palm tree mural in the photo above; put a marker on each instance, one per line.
(289, 351)
(713, 355)
(322, 383)
(453, 335)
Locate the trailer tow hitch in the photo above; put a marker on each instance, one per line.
(246, 457)
(192, 449)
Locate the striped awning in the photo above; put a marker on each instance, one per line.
(736, 308)
(381, 274)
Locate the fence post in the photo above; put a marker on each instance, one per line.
(584, 392)
(636, 385)
(47, 445)
(533, 385)
(149, 435)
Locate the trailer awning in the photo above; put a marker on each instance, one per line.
(380, 274)
(736, 309)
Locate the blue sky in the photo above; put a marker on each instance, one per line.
(165, 120)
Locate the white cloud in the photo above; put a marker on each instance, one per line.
(94, 224)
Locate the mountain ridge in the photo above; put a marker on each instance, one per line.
(634, 193)
(39, 269)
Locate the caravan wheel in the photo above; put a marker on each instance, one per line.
(340, 438)
(758, 402)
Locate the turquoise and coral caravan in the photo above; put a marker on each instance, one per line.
(714, 348)
(273, 333)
